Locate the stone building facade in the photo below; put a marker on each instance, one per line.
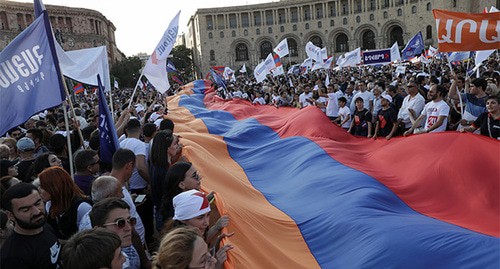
(74, 28)
(238, 35)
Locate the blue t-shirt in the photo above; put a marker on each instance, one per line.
(475, 106)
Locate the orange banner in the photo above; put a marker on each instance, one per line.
(458, 31)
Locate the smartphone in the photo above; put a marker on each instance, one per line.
(211, 197)
(140, 198)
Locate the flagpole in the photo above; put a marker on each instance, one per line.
(111, 103)
(73, 111)
(135, 88)
(68, 139)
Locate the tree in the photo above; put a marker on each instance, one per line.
(181, 58)
(127, 71)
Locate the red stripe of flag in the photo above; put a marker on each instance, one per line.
(78, 88)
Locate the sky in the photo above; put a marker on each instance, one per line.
(140, 24)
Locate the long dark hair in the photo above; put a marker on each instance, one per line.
(176, 173)
(161, 142)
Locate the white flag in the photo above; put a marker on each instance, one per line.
(140, 84)
(229, 74)
(352, 58)
(116, 84)
(401, 69)
(260, 72)
(269, 62)
(395, 54)
(327, 80)
(84, 65)
(323, 53)
(282, 48)
(279, 70)
(313, 52)
(290, 82)
(424, 59)
(243, 69)
(432, 51)
(156, 66)
(482, 55)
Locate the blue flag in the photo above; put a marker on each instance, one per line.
(39, 7)
(414, 47)
(218, 79)
(458, 56)
(108, 140)
(30, 79)
(171, 67)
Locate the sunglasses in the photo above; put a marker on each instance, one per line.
(120, 223)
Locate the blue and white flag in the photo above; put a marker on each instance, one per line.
(458, 56)
(108, 139)
(171, 67)
(218, 79)
(30, 78)
(413, 47)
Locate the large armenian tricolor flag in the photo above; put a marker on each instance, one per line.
(302, 193)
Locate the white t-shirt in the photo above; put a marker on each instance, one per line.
(322, 100)
(259, 100)
(433, 110)
(367, 97)
(303, 99)
(139, 148)
(345, 112)
(332, 108)
(416, 103)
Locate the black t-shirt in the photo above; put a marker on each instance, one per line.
(39, 251)
(24, 170)
(361, 119)
(488, 126)
(386, 119)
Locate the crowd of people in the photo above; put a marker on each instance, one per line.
(146, 207)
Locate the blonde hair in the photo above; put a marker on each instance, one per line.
(176, 249)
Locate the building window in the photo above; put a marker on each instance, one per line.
(341, 43)
(358, 6)
(241, 52)
(257, 31)
(245, 22)
(372, 5)
(282, 29)
(69, 24)
(307, 26)
(385, 4)
(368, 40)
(294, 14)
(269, 17)
(281, 16)
(429, 6)
(396, 35)
(331, 7)
(265, 49)
(220, 22)
(454, 3)
(233, 33)
(232, 21)
(358, 19)
(245, 32)
(428, 32)
(221, 34)
(270, 30)
(257, 21)
(414, 9)
(210, 35)
(400, 12)
(292, 47)
(332, 23)
(3, 19)
(210, 23)
(400, 2)
(386, 15)
(317, 41)
(319, 11)
(320, 24)
(307, 13)
(372, 17)
(344, 9)
(294, 27)
(344, 21)
(212, 55)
